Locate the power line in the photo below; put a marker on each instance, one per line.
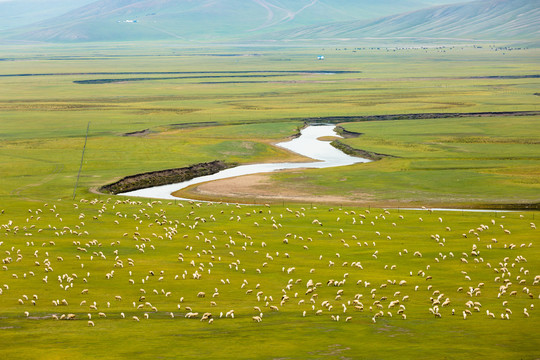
(82, 159)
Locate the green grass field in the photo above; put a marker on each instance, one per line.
(238, 253)
(232, 104)
(46, 115)
(465, 162)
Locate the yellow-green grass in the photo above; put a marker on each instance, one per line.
(42, 126)
(344, 236)
(33, 165)
(44, 118)
(443, 162)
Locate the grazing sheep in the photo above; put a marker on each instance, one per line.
(191, 315)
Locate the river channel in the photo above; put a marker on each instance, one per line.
(307, 144)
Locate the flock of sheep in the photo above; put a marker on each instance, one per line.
(103, 260)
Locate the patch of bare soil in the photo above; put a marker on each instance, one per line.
(328, 138)
(260, 188)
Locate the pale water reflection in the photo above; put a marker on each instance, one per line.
(307, 144)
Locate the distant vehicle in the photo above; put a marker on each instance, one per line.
(320, 57)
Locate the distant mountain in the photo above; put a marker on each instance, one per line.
(17, 13)
(204, 20)
(485, 19)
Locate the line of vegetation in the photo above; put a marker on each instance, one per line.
(489, 77)
(341, 119)
(347, 119)
(349, 150)
(108, 81)
(137, 133)
(347, 134)
(165, 177)
(525, 206)
(259, 74)
(187, 72)
(533, 76)
(195, 124)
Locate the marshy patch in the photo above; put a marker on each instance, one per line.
(333, 351)
(393, 331)
(194, 75)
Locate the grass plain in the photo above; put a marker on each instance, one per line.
(218, 110)
(239, 252)
(196, 118)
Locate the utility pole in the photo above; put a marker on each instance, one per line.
(82, 159)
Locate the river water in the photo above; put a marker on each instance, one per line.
(307, 144)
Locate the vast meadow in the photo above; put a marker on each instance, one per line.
(232, 104)
(87, 274)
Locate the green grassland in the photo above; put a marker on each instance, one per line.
(231, 245)
(195, 118)
(223, 108)
(456, 162)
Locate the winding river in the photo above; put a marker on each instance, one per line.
(307, 144)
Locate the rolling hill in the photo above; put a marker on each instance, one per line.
(487, 20)
(253, 20)
(17, 13)
(204, 20)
